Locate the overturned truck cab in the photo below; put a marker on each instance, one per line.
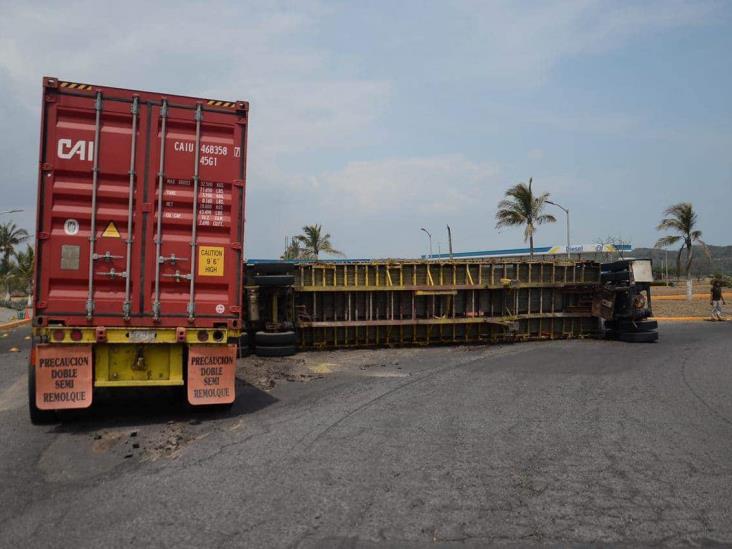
(623, 301)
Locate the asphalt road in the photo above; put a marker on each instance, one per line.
(557, 442)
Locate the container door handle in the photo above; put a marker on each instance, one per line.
(126, 306)
(161, 179)
(194, 228)
(93, 221)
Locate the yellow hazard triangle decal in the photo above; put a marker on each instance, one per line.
(111, 231)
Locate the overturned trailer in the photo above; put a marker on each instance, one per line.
(383, 303)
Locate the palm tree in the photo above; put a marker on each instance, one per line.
(522, 207)
(23, 270)
(10, 237)
(315, 241)
(6, 279)
(681, 218)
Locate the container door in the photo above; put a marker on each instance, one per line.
(196, 237)
(87, 208)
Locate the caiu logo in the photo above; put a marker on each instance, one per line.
(67, 149)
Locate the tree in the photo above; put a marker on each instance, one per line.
(522, 207)
(681, 219)
(613, 241)
(315, 241)
(293, 250)
(10, 237)
(6, 279)
(22, 271)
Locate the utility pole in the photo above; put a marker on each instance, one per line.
(449, 240)
(429, 235)
(566, 210)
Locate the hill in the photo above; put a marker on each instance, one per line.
(721, 259)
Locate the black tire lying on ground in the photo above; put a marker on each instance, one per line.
(37, 416)
(638, 337)
(274, 280)
(274, 339)
(638, 325)
(285, 350)
(275, 268)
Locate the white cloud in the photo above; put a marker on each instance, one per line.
(519, 44)
(232, 51)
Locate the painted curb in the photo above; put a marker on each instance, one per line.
(14, 324)
(683, 319)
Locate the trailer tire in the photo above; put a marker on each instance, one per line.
(274, 280)
(638, 337)
(274, 268)
(37, 416)
(285, 350)
(274, 339)
(638, 326)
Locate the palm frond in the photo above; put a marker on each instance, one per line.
(545, 218)
(669, 240)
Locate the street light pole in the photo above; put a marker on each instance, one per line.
(566, 210)
(10, 212)
(430, 237)
(449, 240)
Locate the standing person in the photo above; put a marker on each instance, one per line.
(717, 300)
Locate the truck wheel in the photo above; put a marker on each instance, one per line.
(638, 337)
(274, 280)
(37, 416)
(275, 268)
(285, 350)
(274, 339)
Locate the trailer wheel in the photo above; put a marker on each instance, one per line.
(274, 280)
(274, 339)
(285, 350)
(638, 337)
(274, 268)
(37, 416)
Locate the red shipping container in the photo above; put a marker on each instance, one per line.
(140, 208)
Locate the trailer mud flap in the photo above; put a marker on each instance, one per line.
(211, 374)
(63, 376)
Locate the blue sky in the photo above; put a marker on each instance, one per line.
(378, 118)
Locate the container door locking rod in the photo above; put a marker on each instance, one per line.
(126, 307)
(159, 234)
(93, 221)
(194, 229)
